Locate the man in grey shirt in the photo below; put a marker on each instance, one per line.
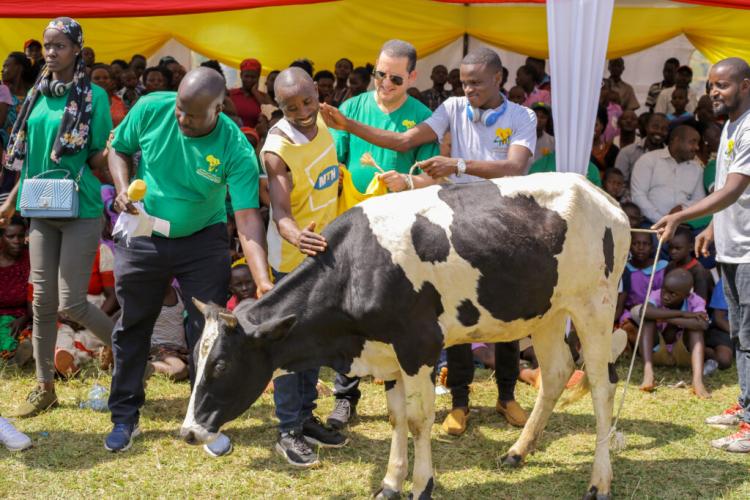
(729, 89)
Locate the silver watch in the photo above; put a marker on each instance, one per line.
(460, 167)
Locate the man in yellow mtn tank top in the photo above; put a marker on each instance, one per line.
(300, 158)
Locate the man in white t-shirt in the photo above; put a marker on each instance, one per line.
(490, 137)
(729, 84)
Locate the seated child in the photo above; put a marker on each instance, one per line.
(169, 351)
(678, 316)
(681, 256)
(633, 211)
(613, 182)
(719, 347)
(635, 280)
(241, 285)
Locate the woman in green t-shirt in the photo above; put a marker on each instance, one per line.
(63, 125)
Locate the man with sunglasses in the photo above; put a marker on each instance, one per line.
(490, 137)
(388, 107)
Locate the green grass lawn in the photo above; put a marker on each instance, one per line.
(667, 453)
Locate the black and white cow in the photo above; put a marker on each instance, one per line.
(410, 273)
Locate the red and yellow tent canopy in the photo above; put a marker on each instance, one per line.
(277, 31)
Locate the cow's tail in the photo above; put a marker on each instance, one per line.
(582, 386)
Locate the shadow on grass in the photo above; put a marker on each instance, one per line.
(81, 451)
(454, 454)
(689, 478)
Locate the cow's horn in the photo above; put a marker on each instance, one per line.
(200, 305)
(228, 318)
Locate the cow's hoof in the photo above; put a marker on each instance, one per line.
(593, 494)
(511, 461)
(387, 494)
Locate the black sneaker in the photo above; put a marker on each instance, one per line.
(342, 413)
(292, 446)
(319, 435)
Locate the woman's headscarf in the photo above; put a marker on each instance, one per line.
(72, 135)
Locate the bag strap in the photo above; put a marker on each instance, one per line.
(67, 173)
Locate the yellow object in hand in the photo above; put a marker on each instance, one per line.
(136, 190)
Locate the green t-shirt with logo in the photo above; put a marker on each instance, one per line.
(350, 148)
(187, 177)
(42, 127)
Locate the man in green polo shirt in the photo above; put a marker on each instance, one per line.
(388, 107)
(191, 152)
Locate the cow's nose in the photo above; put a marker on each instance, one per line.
(189, 436)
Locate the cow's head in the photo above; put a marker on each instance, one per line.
(232, 368)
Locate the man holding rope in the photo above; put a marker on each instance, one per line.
(729, 89)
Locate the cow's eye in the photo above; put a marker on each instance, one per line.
(219, 368)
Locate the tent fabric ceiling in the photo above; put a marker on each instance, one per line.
(132, 8)
(142, 8)
(327, 30)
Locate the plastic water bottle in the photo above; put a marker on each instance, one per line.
(97, 400)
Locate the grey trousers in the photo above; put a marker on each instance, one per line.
(62, 254)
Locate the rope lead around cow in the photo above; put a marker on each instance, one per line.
(617, 438)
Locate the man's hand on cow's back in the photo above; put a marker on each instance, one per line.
(311, 243)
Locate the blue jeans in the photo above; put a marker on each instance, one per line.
(737, 291)
(294, 394)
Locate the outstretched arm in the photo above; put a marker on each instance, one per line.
(720, 199)
(416, 136)
(518, 159)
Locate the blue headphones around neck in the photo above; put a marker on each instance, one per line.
(488, 117)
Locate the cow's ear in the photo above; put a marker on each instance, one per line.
(200, 305)
(229, 319)
(275, 329)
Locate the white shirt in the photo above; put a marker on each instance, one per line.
(664, 101)
(659, 183)
(476, 141)
(732, 225)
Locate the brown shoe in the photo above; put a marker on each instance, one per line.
(455, 423)
(513, 413)
(36, 402)
(106, 358)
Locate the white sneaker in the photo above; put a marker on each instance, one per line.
(219, 447)
(11, 438)
(727, 419)
(738, 442)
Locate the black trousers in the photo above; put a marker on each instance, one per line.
(461, 371)
(143, 270)
(347, 388)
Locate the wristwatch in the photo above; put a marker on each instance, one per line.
(460, 167)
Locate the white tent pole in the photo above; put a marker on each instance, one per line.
(577, 34)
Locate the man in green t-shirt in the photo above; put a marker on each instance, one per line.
(388, 107)
(191, 152)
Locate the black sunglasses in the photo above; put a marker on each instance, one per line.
(395, 80)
